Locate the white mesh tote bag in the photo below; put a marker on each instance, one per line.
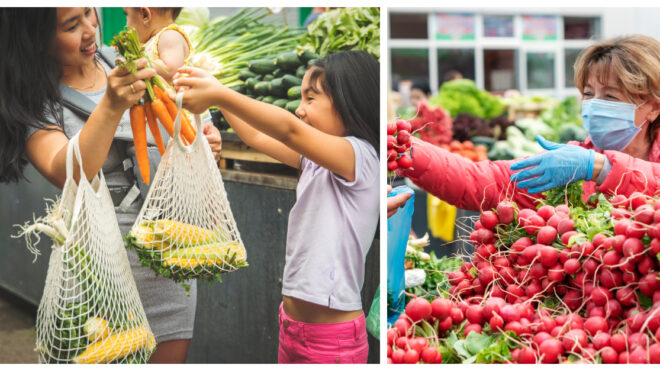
(90, 311)
(186, 229)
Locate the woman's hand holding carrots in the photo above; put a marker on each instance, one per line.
(125, 88)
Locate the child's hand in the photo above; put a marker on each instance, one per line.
(199, 86)
(125, 88)
(212, 135)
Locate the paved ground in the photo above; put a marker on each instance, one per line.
(17, 333)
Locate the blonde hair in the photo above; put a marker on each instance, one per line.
(635, 62)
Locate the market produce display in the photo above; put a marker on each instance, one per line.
(267, 61)
(463, 96)
(426, 274)
(344, 29)
(277, 80)
(433, 125)
(227, 44)
(568, 283)
(467, 149)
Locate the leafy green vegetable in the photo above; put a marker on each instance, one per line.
(152, 259)
(193, 16)
(463, 96)
(344, 29)
(225, 44)
(478, 348)
(560, 195)
(436, 274)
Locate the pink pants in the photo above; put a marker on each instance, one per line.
(343, 342)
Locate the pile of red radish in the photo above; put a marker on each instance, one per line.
(398, 142)
(434, 125)
(570, 287)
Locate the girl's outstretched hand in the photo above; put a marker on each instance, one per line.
(125, 88)
(199, 86)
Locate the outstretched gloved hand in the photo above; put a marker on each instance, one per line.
(562, 164)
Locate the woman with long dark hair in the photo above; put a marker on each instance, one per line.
(50, 52)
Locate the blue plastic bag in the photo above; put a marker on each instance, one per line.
(398, 230)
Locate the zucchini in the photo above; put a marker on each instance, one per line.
(300, 72)
(294, 92)
(276, 88)
(260, 98)
(311, 62)
(246, 74)
(261, 88)
(290, 81)
(287, 61)
(268, 77)
(240, 89)
(268, 99)
(261, 66)
(292, 106)
(281, 102)
(278, 72)
(251, 82)
(306, 55)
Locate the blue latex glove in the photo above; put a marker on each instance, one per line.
(562, 164)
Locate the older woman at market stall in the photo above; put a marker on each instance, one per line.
(49, 66)
(619, 80)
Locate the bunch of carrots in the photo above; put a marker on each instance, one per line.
(156, 104)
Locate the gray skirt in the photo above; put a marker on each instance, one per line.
(170, 312)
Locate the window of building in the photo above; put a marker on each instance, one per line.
(581, 28)
(409, 64)
(498, 26)
(408, 26)
(540, 70)
(570, 56)
(500, 69)
(453, 61)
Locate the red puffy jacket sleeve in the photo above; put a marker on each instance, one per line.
(461, 182)
(630, 174)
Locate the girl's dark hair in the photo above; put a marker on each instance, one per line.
(352, 80)
(29, 80)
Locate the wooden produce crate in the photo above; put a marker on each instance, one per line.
(237, 155)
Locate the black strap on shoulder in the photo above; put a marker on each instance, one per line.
(77, 102)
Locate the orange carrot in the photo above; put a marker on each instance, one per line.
(163, 116)
(139, 128)
(153, 126)
(187, 130)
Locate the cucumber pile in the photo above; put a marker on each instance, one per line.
(277, 79)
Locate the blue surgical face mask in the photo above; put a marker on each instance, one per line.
(611, 125)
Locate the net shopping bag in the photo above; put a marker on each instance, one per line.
(90, 311)
(185, 229)
(398, 230)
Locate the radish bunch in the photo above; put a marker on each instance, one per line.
(398, 142)
(561, 284)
